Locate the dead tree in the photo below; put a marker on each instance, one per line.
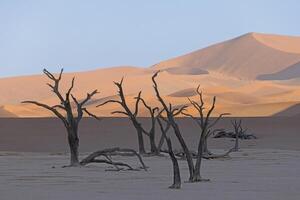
(205, 125)
(203, 121)
(170, 117)
(176, 171)
(132, 115)
(238, 131)
(65, 113)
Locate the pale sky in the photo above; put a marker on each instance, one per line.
(84, 35)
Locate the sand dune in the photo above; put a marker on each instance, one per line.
(226, 70)
(231, 93)
(246, 56)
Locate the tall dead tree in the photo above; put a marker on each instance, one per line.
(132, 115)
(176, 171)
(205, 125)
(170, 117)
(64, 111)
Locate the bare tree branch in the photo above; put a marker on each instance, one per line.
(119, 112)
(52, 109)
(91, 114)
(138, 98)
(88, 97)
(109, 101)
(218, 119)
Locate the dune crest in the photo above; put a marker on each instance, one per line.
(245, 57)
(289, 44)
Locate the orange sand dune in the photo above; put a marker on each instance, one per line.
(246, 56)
(226, 70)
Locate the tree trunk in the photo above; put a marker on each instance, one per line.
(186, 151)
(74, 145)
(141, 141)
(205, 148)
(161, 143)
(153, 147)
(236, 146)
(176, 171)
(197, 175)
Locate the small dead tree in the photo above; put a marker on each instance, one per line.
(132, 115)
(204, 121)
(170, 117)
(64, 111)
(238, 131)
(176, 171)
(205, 124)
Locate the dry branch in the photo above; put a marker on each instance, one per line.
(93, 158)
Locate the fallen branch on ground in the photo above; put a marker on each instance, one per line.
(108, 153)
(225, 134)
(180, 154)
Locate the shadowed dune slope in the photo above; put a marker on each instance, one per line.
(285, 74)
(293, 110)
(5, 113)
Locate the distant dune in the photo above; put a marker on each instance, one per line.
(251, 75)
(246, 56)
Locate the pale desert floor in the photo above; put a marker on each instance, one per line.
(32, 152)
(248, 174)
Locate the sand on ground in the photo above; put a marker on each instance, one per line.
(247, 174)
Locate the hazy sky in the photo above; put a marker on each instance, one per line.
(82, 35)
